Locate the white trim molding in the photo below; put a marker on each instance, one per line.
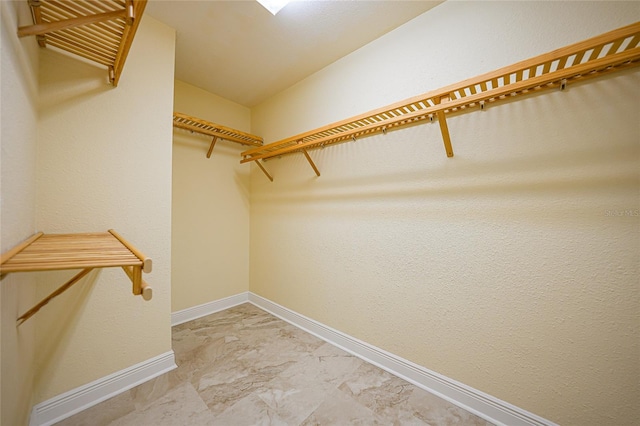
(483, 405)
(209, 308)
(69, 403)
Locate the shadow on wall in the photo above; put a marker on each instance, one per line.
(223, 148)
(492, 184)
(225, 161)
(68, 80)
(546, 153)
(57, 320)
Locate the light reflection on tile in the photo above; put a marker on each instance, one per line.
(244, 366)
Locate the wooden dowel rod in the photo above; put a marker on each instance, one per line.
(146, 262)
(147, 291)
(45, 28)
(17, 249)
(56, 293)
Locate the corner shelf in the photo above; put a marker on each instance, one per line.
(601, 55)
(101, 31)
(77, 251)
(218, 131)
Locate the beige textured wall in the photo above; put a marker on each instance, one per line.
(512, 267)
(210, 236)
(104, 161)
(18, 138)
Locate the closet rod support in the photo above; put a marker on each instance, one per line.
(130, 12)
(563, 84)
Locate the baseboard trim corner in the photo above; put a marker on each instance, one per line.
(69, 403)
(477, 402)
(195, 312)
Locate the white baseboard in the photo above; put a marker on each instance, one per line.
(69, 403)
(209, 308)
(486, 406)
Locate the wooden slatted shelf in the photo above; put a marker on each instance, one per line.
(601, 55)
(98, 30)
(77, 251)
(217, 131)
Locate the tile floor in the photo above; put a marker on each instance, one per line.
(244, 366)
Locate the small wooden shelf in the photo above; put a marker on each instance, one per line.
(98, 30)
(604, 54)
(217, 131)
(77, 251)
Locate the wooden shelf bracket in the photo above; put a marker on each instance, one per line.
(444, 128)
(264, 170)
(77, 251)
(308, 157)
(601, 55)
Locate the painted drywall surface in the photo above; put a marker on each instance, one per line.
(512, 267)
(18, 140)
(210, 218)
(104, 161)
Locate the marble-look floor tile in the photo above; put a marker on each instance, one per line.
(250, 410)
(146, 393)
(180, 406)
(104, 413)
(401, 403)
(340, 409)
(244, 366)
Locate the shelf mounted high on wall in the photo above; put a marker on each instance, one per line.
(101, 30)
(217, 131)
(610, 52)
(86, 251)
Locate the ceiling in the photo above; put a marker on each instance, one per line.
(238, 50)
